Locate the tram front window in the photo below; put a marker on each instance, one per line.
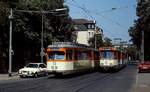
(107, 54)
(56, 55)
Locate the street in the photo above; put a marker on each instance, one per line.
(41, 37)
(122, 81)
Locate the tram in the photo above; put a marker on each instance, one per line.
(112, 58)
(68, 57)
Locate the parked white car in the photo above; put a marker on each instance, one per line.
(33, 69)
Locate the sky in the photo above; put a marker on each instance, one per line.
(115, 17)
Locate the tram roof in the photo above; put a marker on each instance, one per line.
(69, 45)
(111, 48)
(108, 48)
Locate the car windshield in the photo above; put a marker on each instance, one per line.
(32, 66)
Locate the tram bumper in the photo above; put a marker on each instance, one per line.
(107, 67)
(61, 72)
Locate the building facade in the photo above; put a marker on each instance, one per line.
(85, 29)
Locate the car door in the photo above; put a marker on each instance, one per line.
(42, 68)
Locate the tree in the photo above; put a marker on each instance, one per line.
(132, 52)
(3, 36)
(142, 24)
(27, 27)
(96, 38)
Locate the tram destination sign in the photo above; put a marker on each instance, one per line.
(55, 49)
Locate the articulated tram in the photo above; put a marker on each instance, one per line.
(67, 57)
(112, 58)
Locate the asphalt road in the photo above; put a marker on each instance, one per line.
(122, 81)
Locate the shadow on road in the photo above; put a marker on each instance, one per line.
(73, 75)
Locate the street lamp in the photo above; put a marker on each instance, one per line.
(10, 42)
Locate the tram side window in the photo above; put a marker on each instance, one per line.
(83, 56)
(76, 55)
(69, 55)
(119, 55)
(115, 55)
(96, 55)
(50, 56)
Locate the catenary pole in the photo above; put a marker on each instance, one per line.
(10, 43)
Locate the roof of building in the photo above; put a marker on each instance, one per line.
(82, 21)
(80, 28)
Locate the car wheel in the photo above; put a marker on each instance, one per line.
(21, 76)
(45, 74)
(36, 75)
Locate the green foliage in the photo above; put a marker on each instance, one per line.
(27, 26)
(99, 41)
(142, 24)
(3, 36)
(132, 52)
(30, 23)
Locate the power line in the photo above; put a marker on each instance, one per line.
(88, 12)
(84, 9)
(109, 19)
(99, 14)
(114, 9)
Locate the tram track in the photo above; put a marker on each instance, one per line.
(82, 81)
(89, 82)
(51, 83)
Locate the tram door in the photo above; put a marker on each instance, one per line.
(54, 67)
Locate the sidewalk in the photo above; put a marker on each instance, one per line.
(143, 82)
(6, 77)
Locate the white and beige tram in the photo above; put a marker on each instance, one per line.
(112, 58)
(67, 57)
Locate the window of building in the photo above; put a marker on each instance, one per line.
(89, 26)
(92, 26)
